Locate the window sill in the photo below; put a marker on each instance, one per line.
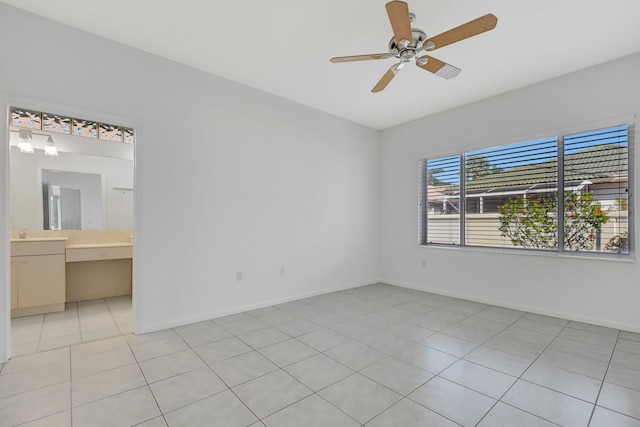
(570, 255)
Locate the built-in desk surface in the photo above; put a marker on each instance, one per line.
(99, 251)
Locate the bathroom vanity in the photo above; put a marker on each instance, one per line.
(49, 268)
(38, 276)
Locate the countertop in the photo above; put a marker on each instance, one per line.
(99, 245)
(38, 239)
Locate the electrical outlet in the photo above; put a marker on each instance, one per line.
(282, 270)
(424, 262)
(239, 275)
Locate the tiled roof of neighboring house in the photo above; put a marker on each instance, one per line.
(595, 163)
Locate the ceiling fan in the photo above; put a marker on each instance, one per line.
(407, 43)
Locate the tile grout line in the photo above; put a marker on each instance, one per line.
(517, 378)
(604, 377)
(402, 397)
(146, 382)
(113, 318)
(377, 311)
(522, 379)
(507, 326)
(40, 334)
(214, 372)
(437, 374)
(70, 389)
(280, 368)
(79, 321)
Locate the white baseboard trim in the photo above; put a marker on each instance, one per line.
(501, 303)
(530, 309)
(154, 327)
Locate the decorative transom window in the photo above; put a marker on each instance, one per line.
(574, 189)
(37, 120)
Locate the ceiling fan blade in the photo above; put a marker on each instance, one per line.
(398, 12)
(360, 57)
(437, 67)
(464, 31)
(388, 76)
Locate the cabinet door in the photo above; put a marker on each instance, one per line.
(41, 280)
(14, 283)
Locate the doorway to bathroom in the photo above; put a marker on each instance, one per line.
(71, 228)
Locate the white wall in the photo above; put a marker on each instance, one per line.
(227, 177)
(599, 291)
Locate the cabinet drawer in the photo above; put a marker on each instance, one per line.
(37, 248)
(99, 253)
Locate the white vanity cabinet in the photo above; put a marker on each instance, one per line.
(37, 276)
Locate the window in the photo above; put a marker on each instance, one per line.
(443, 200)
(29, 119)
(532, 195)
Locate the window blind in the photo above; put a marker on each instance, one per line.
(443, 200)
(596, 185)
(523, 172)
(572, 189)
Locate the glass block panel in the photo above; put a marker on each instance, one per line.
(110, 132)
(56, 123)
(25, 118)
(128, 135)
(85, 128)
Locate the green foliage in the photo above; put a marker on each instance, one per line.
(532, 222)
(584, 218)
(618, 243)
(477, 166)
(431, 176)
(621, 204)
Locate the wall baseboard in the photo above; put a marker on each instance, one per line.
(240, 309)
(530, 309)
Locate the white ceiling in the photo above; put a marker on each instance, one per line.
(283, 46)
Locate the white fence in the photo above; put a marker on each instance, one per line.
(483, 229)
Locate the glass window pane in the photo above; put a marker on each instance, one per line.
(443, 200)
(25, 118)
(110, 132)
(511, 196)
(56, 123)
(85, 128)
(128, 135)
(596, 191)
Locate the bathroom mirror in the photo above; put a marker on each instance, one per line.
(95, 178)
(71, 200)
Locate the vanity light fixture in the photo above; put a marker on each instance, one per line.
(49, 148)
(24, 144)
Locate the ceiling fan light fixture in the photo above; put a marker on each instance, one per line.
(429, 46)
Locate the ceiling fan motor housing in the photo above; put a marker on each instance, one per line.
(408, 53)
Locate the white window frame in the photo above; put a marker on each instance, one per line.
(423, 200)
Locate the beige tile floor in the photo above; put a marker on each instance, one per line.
(80, 322)
(375, 356)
